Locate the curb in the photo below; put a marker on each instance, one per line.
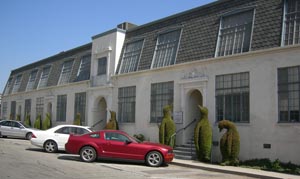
(224, 171)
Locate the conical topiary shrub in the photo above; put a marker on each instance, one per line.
(77, 120)
(229, 143)
(167, 128)
(203, 136)
(47, 122)
(18, 117)
(38, 122)
(112, 123)
(27, 120)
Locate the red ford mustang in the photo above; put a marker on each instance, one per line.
(114, 144)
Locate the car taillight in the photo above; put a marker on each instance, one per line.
(170, 151)
(33, 136)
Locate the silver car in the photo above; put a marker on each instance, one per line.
(15, 129)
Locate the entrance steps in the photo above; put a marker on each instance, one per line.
(186, 151)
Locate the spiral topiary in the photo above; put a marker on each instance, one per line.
(112, 123)
(38, 122)
(27, 120)
(203, 136)
(47, 122)
(167, 128)
(77, 120)
(229, 143)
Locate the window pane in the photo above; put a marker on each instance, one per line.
(17, 84)
(65, 72)
(61, 108)
(31, 81)
(127, 104)
(40, 106)
(80, 106)
(102, 65)
(84, 68)
(292, 22)
(44, 77)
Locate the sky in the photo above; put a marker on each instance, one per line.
(31, 30)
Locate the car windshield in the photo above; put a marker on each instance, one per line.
(25, 125)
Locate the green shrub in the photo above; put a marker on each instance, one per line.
(77, 120)
(18, 117)
(229, 143)
(203, 136)
(167, 128)
(47, 122)
(38, 122)
(112, 123)
(27, 120)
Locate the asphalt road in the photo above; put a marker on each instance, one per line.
(21, 160)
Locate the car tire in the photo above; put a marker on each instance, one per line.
(154, 159)
(50, 146)
(28, 136)
(88, 154)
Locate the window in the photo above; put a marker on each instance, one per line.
(288, 94)
(27, 109)
(131, 56)
(17, 84)
(4, 110)
(235, 33)
(102, 65)
(61, 108)
(31, 81)
(8, 86)
(161, 95)
(116, 137)
(127, 104)
(40, 106)
(65, 72)
(80, 105)
(44, 77)
(166, 49)
(291, 27)
(232, 97)
(84, 68)
(13, 106)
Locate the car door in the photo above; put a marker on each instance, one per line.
(5, 128)
(120, 146)
(17, 129)
(61, 136)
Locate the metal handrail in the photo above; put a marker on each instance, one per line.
(184, 128)
(97, 123)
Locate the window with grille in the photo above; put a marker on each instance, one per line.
(288, 94)
(80, 105)
(44, 77)
(102, 65)
(17, 84)
(84, 68)
(27, 108)
(161, 95)
(235, 33)
(61, 108)
(232, 97)
(65, 72)
(40, 106)
(131, 56)
(126, 104)
(4, 110)
(166, 49)
(31, 81)
(291, 28)
(13, 106)
(8, 86)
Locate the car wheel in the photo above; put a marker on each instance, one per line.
(154, 159)
(28, 136)
(88, 154)
(50, 146)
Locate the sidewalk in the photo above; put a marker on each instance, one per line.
(233, 170)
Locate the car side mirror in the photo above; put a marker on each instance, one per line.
(128, 142)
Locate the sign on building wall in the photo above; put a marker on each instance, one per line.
(178, 117)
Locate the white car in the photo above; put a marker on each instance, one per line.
(15, 129)
(55, 138)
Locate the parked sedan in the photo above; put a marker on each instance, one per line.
(114, 144)
(55, 138)
(15, 129)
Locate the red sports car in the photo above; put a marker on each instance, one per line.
(114, 144)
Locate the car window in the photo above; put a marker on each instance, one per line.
(6, 123)
(63, 130)
(79, 130)
(15, 124)
(95, 136)
(116, 137)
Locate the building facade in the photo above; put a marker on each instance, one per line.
(240, 59)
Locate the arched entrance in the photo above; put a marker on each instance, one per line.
(100, 114)
(194, 99)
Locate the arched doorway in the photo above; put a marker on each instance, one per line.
(100, 114)
(194, 99)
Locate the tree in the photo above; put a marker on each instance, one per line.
(167, 128)
(47, 122)
(112, 123)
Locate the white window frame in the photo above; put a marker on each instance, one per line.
(284, 26)
(31, 81)
(44, 79)
(65, 75)
(17, 83)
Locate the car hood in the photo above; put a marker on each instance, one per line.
(156, 144)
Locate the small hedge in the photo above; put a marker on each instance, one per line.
(275, 166)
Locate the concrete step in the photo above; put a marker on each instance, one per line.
(184, 157)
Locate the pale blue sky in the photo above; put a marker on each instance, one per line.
(31, 30)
